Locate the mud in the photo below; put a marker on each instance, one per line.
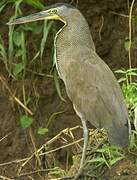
(109, 27)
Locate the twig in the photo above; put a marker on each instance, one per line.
(49, 142)
(33, 172)
(5, 178)
(22, 105)
(34, 145)
(5, 136)
(62, 147)
(100, 29)
(12, 162)
(65, 131)
(130, 37)
(2, 79)
(119, 14)
(68, 132)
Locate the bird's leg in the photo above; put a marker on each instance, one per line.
(85, 136)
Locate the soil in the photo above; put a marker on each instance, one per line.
(109, 29)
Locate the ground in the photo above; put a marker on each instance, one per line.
(109, 28)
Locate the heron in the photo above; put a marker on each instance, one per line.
(90, 84)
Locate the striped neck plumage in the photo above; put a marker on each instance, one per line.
(55, 60)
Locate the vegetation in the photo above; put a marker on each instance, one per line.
(21, 55)
(20, 62)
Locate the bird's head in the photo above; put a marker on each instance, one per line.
(58, 11)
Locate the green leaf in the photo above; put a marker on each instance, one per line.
(103, 150)
(126, 45)
(57, 85)
(134, 19)
(2, 7)
(24, 51)
(132, 141)
(17, 38)
(132, 73)
(113, 161)
(18, 52)
(33, 27)
(121, 71)
(35, 3)
(122, 79)
(3, 4)
(28, 101)
(25, 121)
(35, 57)
(98, 159)
(46, 30)
(136, 162)
(53, 116)
(18, 69)
(42, 131)
(132, 69)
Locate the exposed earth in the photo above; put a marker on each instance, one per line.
(108, 21)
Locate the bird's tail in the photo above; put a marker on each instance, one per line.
(119, 133)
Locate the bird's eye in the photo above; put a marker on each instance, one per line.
(54, 11)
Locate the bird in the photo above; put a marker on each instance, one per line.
(90, 84)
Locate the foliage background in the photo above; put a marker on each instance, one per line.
(31, 92)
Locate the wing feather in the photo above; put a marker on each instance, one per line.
(96, 95)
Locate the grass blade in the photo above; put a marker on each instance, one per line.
(57, 85)
(35, 3)
(47, 27)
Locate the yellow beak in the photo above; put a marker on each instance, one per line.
(43, 15)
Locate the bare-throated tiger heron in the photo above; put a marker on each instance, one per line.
(90, 84)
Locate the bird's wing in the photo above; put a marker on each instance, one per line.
(95, 93)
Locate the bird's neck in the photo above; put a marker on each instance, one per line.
(70, 40)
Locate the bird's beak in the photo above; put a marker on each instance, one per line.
(43, 15)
